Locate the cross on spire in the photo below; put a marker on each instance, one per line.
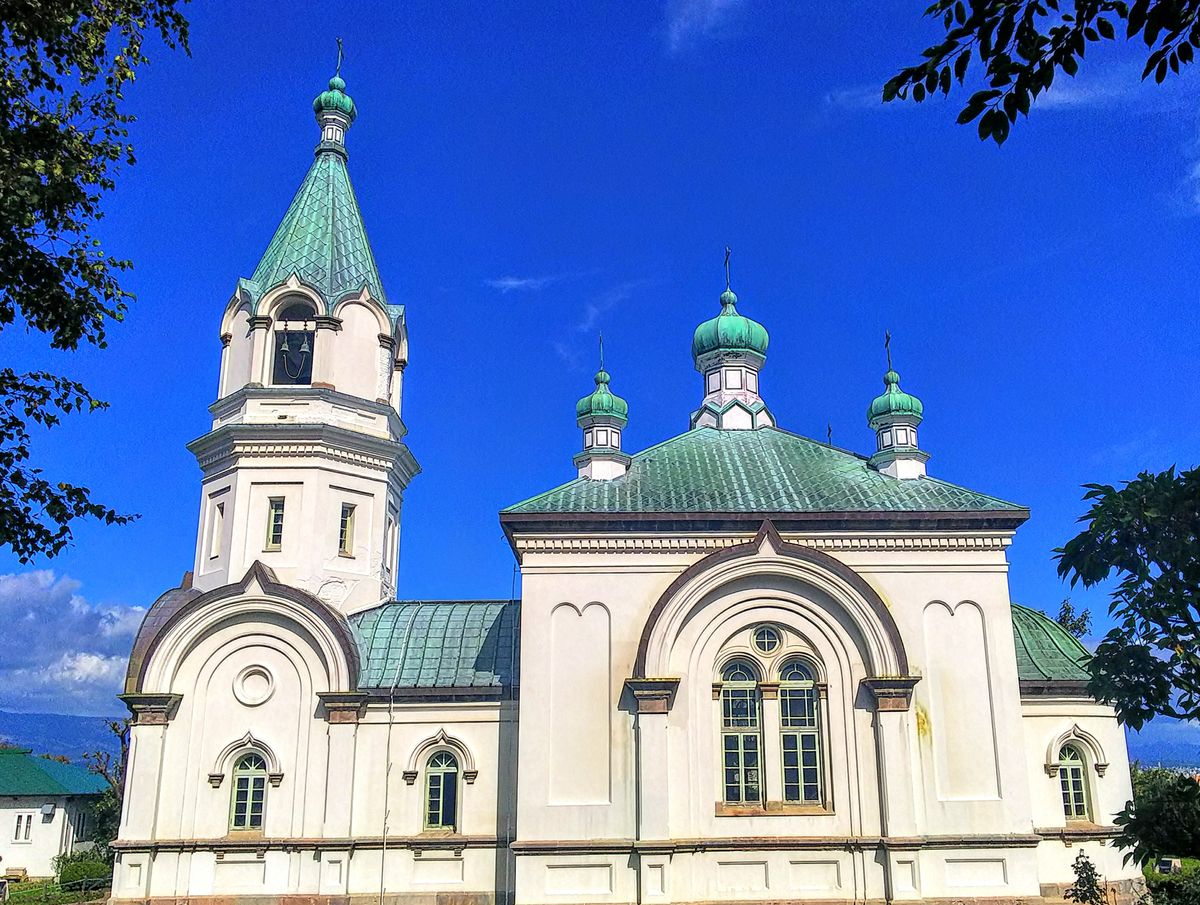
(341, 56)
(887, 347)
(728, 252)
(602, 351)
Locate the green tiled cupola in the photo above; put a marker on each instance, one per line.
(894, 401)
(335, 100)
(729, 331)
(602, 401)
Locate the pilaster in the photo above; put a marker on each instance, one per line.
(653, 699)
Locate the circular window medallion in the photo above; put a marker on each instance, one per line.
(253, 686)
(766, 639)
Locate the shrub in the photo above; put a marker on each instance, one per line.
(83, 870)
(1174, 889)
(1088, 889)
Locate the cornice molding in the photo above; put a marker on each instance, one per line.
(697, 543)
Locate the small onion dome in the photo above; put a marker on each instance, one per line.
(729, 332)
(335, 99)
(602, 402)
(894, 401)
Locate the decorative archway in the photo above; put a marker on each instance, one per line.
(243, 745)
(441, 740)
(883, 650)
(1084, 739)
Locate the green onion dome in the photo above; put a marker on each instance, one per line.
(729, 332)
(602, 402)
(335, 99)
(894, 401)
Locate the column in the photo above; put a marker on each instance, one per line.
(143, 773)
(771, 763)
(260, 350)
(896, 769)
(342, 711)
(653, 698)
(323, 351)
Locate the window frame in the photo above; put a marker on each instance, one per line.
(216, 534)
(274, 540)
(256, 780)
(346, 530)
(18, 837)
(743, 742)
(1073, 784)
(807, 735)
(434, 815)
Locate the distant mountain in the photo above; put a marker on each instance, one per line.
(1169, 743)
(57, 733)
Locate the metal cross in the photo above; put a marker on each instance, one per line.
(601, 351)
(887, 346)
(829, 433)
(341, 56)
(728, 252)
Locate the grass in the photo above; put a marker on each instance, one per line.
(47, 892)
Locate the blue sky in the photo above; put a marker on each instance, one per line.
(532, 173)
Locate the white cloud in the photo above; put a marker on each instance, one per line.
(691, 20)
(71, 653)
(521, 284)
(599, 305)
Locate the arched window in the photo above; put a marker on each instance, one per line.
(800, 740)
(249, 793)
(294, 341)
(441, 792)
(741, 738)
(1073, 779)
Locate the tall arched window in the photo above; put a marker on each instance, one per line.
(1073, 779)
(294, 341)
(249, 793)
(800, 740)
(741, 738)
(441, 792)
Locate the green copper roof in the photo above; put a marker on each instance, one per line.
(21, 773)
(438, 644)
(893, 401)
(1046, 650)
(322, 238)
(602, 401)
(729, 332)
(751, 471)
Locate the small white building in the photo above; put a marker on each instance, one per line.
(45, 809)
(746, 666)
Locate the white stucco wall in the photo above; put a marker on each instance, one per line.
(48, 836)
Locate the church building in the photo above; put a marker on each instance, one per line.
(746, 666)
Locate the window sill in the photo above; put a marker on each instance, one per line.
(244, 834)
(345, 555)
(772, 809)
(439, 833)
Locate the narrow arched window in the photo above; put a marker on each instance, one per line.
(441, 792)
(741, 738)
(294, 342)
(249, 793)
(800, 741)
(1073, 779)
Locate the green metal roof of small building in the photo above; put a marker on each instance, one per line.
(893, 401)
(602, 401)
(23, 773)
(729, 331)
(439, 644)
(756, 471)
(322, 238)
(1046, 650)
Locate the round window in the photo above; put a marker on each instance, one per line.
(766, 639)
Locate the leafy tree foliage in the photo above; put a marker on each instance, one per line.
(1078, 623)
(1022, 45)
(64, 65)
(1147, 536)
(1087, 888)
(107, 811)
(1163, 819)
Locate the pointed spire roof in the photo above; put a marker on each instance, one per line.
(322, 238)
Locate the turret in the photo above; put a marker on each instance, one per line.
(894, 415)
(602, 417)
(729, 350)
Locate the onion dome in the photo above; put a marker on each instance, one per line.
(729, 332)
(335, 100)
(893, 401)
(601, 402)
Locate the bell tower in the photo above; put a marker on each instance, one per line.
(305, 466)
